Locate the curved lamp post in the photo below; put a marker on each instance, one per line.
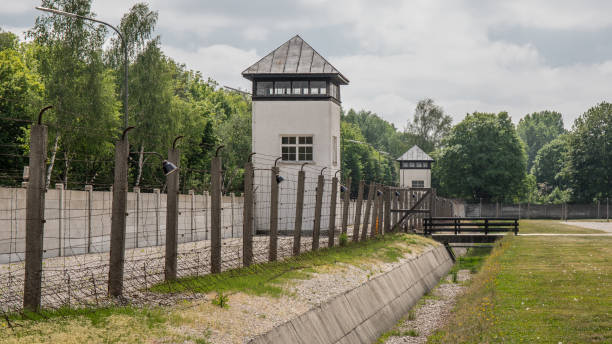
(125, 53)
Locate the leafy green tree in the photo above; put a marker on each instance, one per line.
(550, 162)
(77, 83)
(482, 158)
(20, 97)
(590, 154)
(430, 125)
(381, 134)
(538, 129)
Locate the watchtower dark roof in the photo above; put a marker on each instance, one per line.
(415, 154)
(294, 57)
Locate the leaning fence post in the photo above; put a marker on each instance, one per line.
(215, 215)
(89, 190)
(368, 207)
(247, 216)
(316, 229)
(299, 211)
(118, 220)
(35, 218)
(332, 212)
(172, 212)
(347, 203)
(358, 211)
(274, 181)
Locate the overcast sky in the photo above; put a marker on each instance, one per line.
(519, 56)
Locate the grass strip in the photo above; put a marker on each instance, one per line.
(553, 226)
(537, 289)
(271, 278)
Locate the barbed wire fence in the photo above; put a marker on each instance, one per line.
(66, 256)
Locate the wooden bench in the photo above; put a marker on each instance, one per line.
(470, 225)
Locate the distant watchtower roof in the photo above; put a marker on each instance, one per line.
(294, 58)
(415, 154)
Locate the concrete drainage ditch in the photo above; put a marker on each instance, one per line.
(362, 314)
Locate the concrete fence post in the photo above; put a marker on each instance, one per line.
(247, 216)
(368, 208)
(357, 222)
(157, 204)
(299, 212)
(347, 203)
(172, 214)
(316, 229)
(35, 218)
(273, 250)
(381, 201)
(332, 212)
(192, 213)
(60, 218)
(215, 215)
(89, 190)
(136, 191)
(206, 214)
(232, 202)
(118, 220)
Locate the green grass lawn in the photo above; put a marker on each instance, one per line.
(552, 226)
(538, 290)
(271, 278)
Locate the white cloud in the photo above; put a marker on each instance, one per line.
(396, 52)
(223, 63)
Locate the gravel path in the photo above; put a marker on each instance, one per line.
(431, 312)
(602, 226)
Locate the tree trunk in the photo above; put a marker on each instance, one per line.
(52, 162)
(140, 164)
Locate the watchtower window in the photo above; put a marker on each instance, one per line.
(297, 148)
(265, 88)
(282, 87)
(318, 87)
(418, 183)
(300, 87)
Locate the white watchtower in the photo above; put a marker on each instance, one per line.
(415, 168)
(296, 106)
(296, 113)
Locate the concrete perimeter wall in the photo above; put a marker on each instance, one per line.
(362, 314)
(78, 222)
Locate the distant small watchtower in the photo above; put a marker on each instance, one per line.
(415, 168)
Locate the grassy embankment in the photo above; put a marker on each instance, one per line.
(166, 324)
(538, 290)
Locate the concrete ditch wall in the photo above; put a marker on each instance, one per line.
(362, 314)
